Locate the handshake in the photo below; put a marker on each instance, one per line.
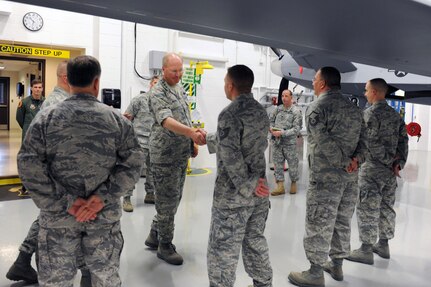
(86, 210)
(199, 136)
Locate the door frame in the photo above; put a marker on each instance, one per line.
(7, 101)
(42, 62)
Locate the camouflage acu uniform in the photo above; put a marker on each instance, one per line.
(387, 143)
(142, 122)
(27, 110)
(238, 216)
(79, 148)
(289, 121)
(30, 242)
(169, 153)
(56, 96)
(335, 131)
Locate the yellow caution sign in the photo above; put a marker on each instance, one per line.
(34, 51)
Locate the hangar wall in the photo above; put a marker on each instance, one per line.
(112, 42)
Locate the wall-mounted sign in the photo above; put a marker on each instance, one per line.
(34, 51)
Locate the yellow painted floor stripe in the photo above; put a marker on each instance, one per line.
(7, 181)
(199, 171)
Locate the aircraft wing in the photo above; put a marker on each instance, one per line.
(316, 62)
(394, 34)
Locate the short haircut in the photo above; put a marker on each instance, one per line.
(62, 68)
(167, 57)
(332, 77)
(290, 92)
(82, 70)
(35, 82)
(380, 85)
(242, 78)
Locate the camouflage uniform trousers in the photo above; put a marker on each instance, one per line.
(169, 183)
(31, 241)
(329, 211)
(149, 180)
(282, 153)
(231, 230)
(58, 249)
(375, 210)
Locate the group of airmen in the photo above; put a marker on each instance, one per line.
(79, 157)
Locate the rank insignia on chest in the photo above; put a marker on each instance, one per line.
(313, 119)
(32, 106)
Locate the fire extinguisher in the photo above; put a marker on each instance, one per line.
(414, 129)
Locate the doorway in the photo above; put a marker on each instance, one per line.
(16, 72)
(4, 103)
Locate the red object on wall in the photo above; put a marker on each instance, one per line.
(274, 101)
(413, 129)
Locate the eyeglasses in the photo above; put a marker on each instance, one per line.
(176, 71)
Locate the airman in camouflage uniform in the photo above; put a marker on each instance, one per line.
(387, 153)
(142, 119)
(171, 145)
(336, 144)
(21, 268)
(29, 106)
(78, 158)
(240, 204)
(286, 123)
(61, 90)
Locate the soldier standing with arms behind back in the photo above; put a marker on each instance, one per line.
(171, 145)
(335, 133)
(286, 123)
(240, 204)
(78, 158)
(387, 154)
(21, 268)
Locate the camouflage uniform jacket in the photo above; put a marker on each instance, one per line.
(335, 131)
(27, 110)
(78, 148)
(387, 137)
(289, 120)
(56, 96)
(142, 118)
(165, 101)
(240, 143)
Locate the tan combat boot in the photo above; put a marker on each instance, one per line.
(279, 190)
(293, 187)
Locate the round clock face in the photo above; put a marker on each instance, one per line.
(32, 21)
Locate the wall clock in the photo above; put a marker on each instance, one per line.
(32, 21)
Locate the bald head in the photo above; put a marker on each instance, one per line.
(172, 68)
(171, 57)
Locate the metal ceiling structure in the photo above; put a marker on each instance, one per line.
(393, 34)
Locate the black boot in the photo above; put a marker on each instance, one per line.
(167, 252)
(85, 278)
(152, 241)
(21, 269)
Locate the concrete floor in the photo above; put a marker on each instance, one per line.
(410, 263)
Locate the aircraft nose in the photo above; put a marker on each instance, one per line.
(276, 67)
